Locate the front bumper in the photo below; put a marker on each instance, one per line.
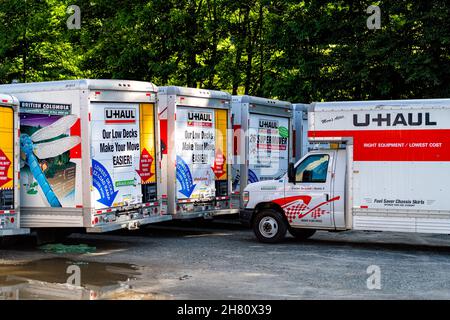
(245, 217)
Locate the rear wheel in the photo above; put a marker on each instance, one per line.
(301, 234)
(7, 241)
(270, 226)
(55, 235)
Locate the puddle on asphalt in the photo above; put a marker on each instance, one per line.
(65, 279)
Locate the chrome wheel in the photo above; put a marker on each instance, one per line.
(268, 227)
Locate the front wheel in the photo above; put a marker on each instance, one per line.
(302, 234)
(270, 226)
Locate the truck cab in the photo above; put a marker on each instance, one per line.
(310, 196)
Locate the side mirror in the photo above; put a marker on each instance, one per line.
(291, 173)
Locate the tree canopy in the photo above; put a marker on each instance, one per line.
(300, 51)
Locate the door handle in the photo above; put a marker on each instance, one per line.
(327, 197)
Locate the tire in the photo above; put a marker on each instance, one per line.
(62, 235)
(48, 236)
(8, 242)
(302, 234)
(269, 226)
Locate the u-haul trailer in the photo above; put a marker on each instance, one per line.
(9, 167)
(389, 171)
(196, 151)
(89, 150)
(262, 140)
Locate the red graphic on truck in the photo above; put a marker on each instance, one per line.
(298, 207)
(5, 163)
(219, 162)
(394, 145)
(145, 166)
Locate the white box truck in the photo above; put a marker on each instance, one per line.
(389, 171)
(262, 141)
(9, 168)
(196, 151)
(89, 154)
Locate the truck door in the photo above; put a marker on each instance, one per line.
(308, 201)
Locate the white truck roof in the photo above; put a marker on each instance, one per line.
(194, 92)
(376, 104)
(301, 106)
(117, 85)
(261, 101)
(8, 100)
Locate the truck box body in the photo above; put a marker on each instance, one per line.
(262, 138)
(89, 153)
(398, 162)
(196, 151)
(9, 167)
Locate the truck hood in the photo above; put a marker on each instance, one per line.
(264, 191)
(267, 186)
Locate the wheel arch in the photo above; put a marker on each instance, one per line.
(268, 205)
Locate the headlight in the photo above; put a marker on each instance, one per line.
(246, 197)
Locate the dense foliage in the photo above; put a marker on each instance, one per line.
(301, 51)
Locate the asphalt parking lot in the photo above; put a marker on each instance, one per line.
(222, 260)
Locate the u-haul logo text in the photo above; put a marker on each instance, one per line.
(394, 119)
(199, 119)
(268, 124)
(120, 116)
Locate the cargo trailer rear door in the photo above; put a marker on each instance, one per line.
(268, 147)
(201, 151)
(122, 154)
(6, 160)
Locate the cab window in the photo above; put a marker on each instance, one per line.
(313, 169)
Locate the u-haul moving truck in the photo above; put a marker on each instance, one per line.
(196, 151)
(390, 173)
(89, 150)
(262, 141)
(9, 167)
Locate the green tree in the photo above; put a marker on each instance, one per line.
(35, 43)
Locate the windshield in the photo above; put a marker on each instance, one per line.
(280, 176)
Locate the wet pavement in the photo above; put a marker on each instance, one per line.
(57, 278)
(216, 260)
